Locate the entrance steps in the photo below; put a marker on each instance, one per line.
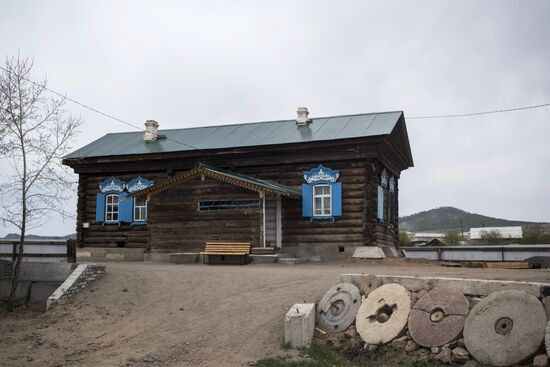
(263, 251)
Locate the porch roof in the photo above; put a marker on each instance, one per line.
(222, 175)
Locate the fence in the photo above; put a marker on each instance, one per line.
(39, 251)
(477, 253)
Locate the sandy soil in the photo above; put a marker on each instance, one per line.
(151, 314)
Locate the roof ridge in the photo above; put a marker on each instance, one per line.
(259, 122)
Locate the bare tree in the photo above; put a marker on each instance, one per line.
(35, 132)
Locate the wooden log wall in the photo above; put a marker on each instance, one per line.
(173, 214)
(176, 224)
(300, 231)
(381, 233)
(108, 235)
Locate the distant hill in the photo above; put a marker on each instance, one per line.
(444, 218)
(33, 237)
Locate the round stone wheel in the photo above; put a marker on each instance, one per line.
(438, 317)
(383, 315)
(338, 307)
(505, 328)
(547, 338)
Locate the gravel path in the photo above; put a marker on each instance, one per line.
(151, 314)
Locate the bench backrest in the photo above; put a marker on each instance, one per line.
(228, 247)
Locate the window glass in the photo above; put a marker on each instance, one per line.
(228, 204)
(322, 200)
(140, 210)
(111, 208)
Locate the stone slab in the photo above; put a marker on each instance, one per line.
(184, 257)
(299, 325)
(292, 260)
(369, 252)
(471, 287)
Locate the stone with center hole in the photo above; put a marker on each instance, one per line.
(504, 325)
(437, 316)
(337, 307)
(383, 314)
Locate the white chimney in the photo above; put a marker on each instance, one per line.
(302, 119)
(151, 131)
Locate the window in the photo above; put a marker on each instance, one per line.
(111, 208)
(228, 204)
(322, 200)
(140, 210)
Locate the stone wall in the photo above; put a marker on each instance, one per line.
(78, 280)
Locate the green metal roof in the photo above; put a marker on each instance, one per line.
(243, 135)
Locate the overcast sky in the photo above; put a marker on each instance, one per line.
(217, 62)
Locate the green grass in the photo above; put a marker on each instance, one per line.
(316, 355)
(320, 355)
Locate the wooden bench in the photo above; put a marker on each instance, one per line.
(226, 250)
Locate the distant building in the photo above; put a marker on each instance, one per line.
(505, 232)
(428, 243)
(427, 236)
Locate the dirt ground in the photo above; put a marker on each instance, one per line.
(152, 314)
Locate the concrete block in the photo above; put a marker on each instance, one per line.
(45, 272)
(292, 260)
(157, 256)
(21, 292)
(263, 259)
(300, 325)
(114, 256)
(369, 252)
(41, 291)
(184, 257)
(473, 287)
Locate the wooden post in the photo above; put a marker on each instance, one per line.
(262, 218)
(278, 223)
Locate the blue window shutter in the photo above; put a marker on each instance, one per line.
(380, 214)
(307, 200)
(337, 199)
(100, 208)
(125, 207)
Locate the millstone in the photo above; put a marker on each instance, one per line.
(383, 315)
(547, 338)
(369, 283)
(438, 317)
(505, 328)
(338, 307)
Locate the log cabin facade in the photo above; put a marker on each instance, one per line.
(315, 186)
